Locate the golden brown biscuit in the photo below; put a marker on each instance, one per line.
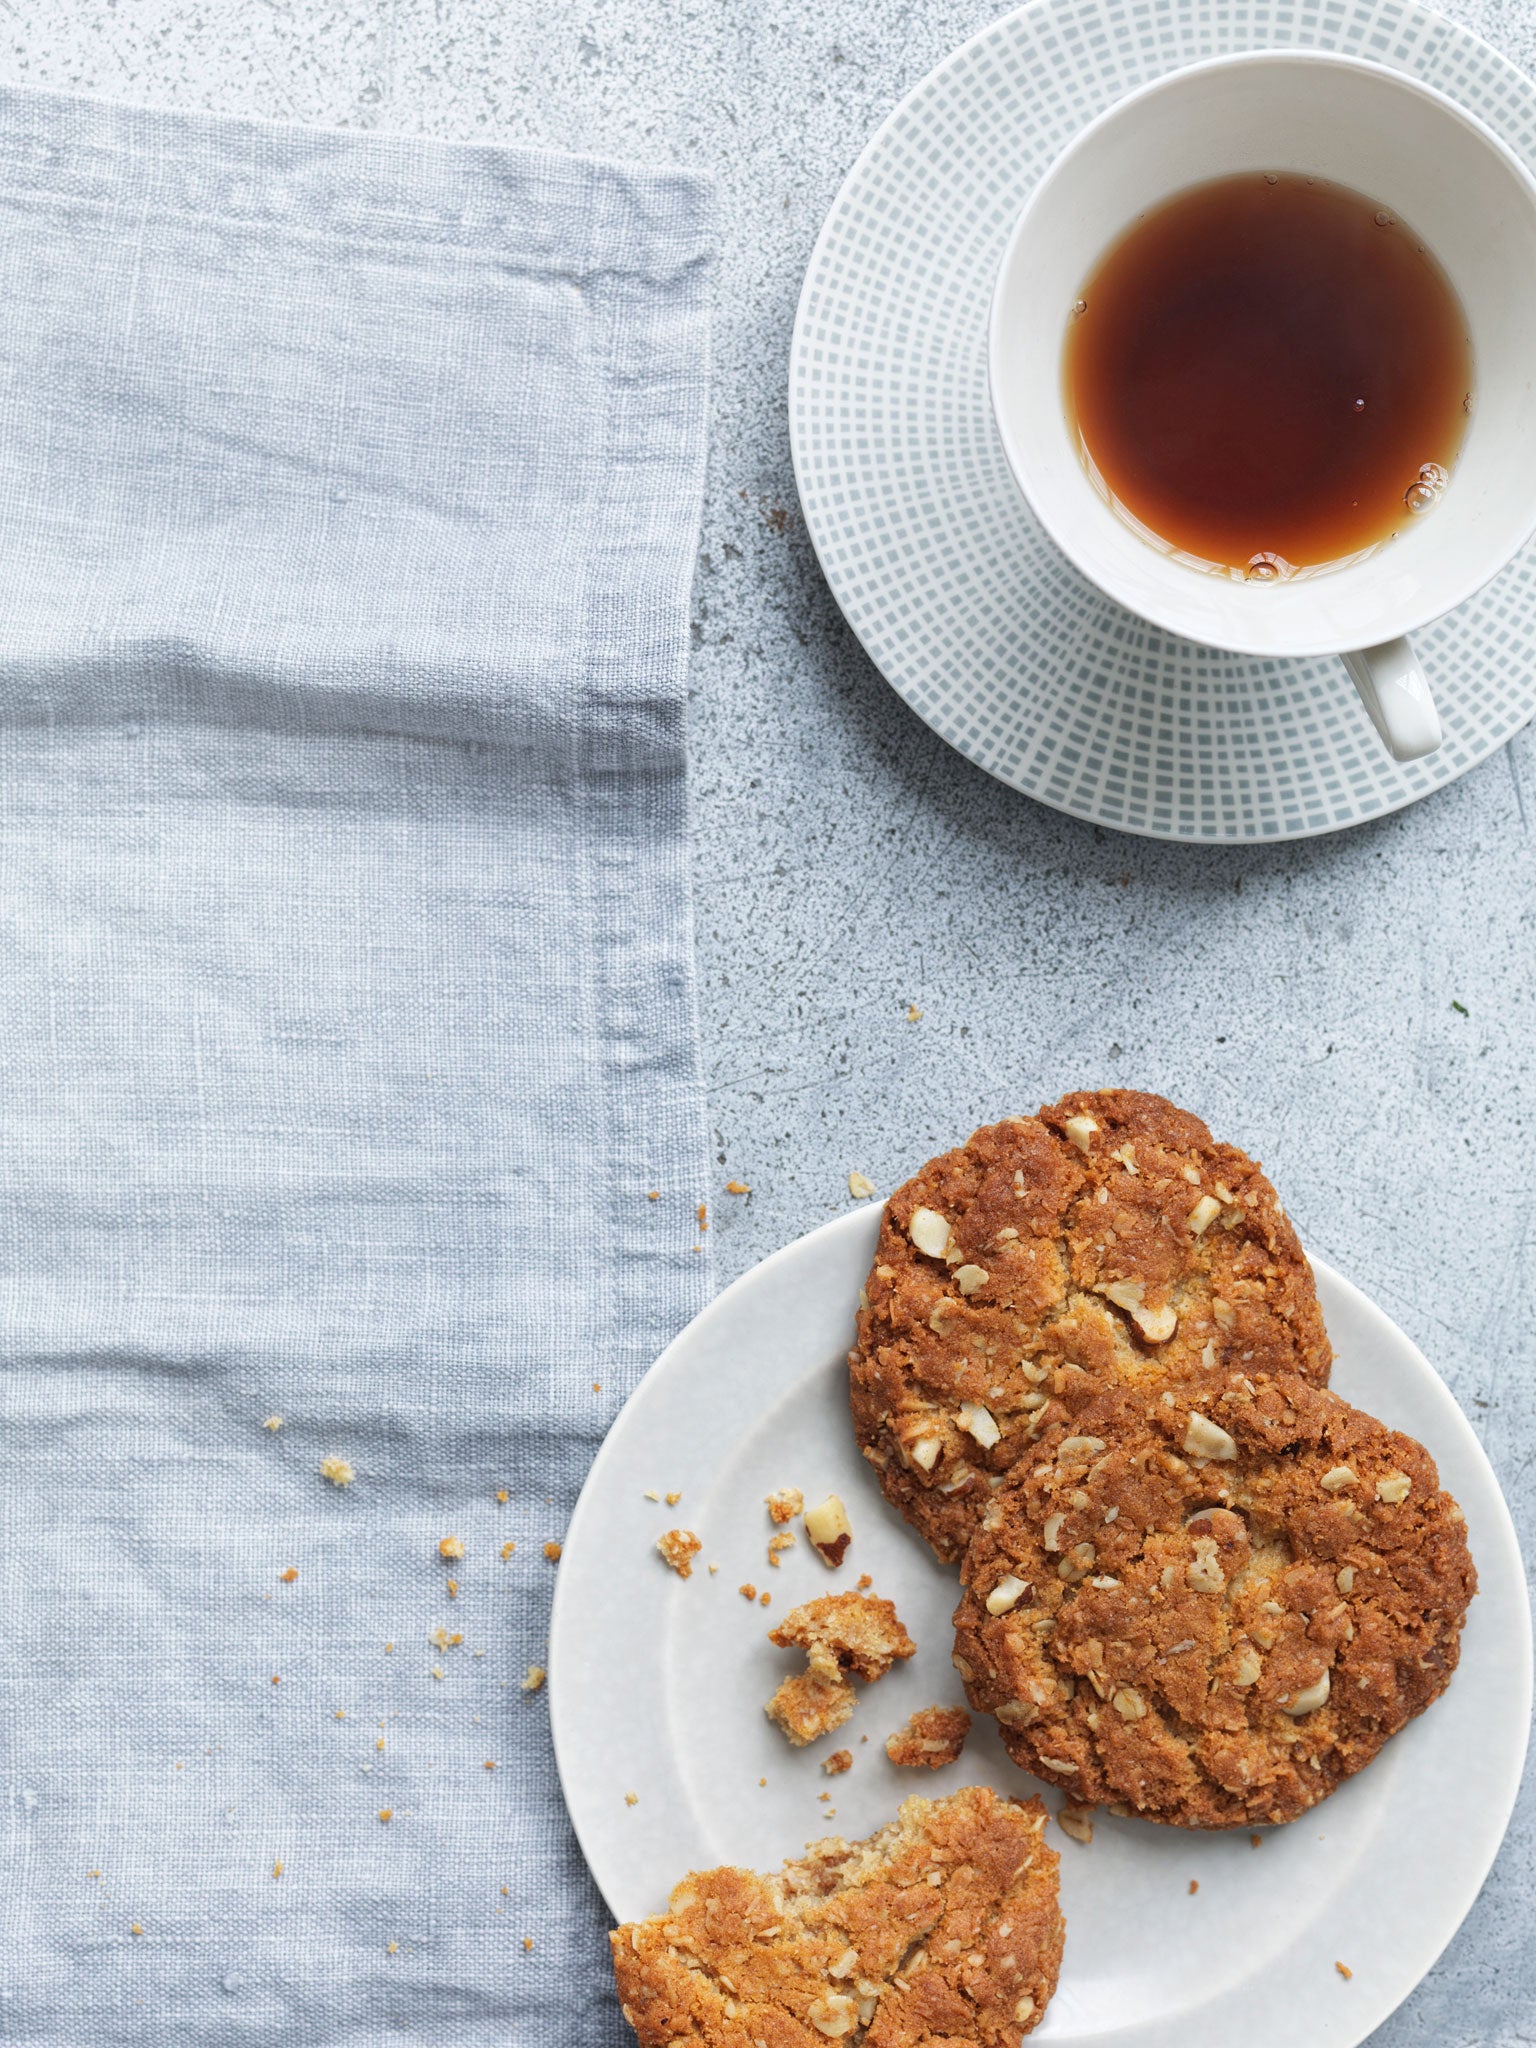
(942, 1928)
(1110, 1238)
(932, 1738)
(1210, 1605)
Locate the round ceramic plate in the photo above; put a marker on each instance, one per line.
(969, 611)
(658, 1683)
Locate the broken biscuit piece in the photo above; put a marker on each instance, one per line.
(680, 1547)
(946, 1923)
(932, 1738)
(841, 1633)
(784, 1503)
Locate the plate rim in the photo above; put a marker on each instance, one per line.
(1498, 1555)
(798, 345)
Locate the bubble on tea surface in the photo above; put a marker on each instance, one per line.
(1426, 487)
(1266, 568)
(1359, 405)
(1385, 219)
(1079, 308)
(1271, 179)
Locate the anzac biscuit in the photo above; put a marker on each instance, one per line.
(1109, 1239)
(1211, 1604)
(943, 1927)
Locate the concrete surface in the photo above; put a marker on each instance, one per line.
(848, 865)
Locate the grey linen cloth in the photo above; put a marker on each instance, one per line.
(349, 492)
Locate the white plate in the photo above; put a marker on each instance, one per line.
(962, 602)
(657, 1688)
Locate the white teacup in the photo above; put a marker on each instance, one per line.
(1443, 173)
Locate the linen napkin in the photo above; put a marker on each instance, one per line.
(349, 493)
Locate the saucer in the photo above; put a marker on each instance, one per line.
(966, 607)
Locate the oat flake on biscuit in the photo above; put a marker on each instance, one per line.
(1213, 1641)
(946, 1924)
(1110, 1239)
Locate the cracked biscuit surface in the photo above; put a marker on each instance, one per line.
(941, 1929)
(1209, 1605)
(1109, 1239)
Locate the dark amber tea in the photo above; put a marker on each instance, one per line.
(1270, 372)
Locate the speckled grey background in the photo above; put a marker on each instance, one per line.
(849, 866)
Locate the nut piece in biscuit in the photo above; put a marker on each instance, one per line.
(932, 1738)
(828, 1528)
(1108, 1240)
(784, 1503)
(1254, 1628)
(680, 1547)
(840, 1633)
(947, 1922)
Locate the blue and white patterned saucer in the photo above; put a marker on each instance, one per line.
(968, 610)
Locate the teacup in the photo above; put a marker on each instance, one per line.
(1362, 126)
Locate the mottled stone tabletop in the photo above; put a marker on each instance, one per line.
(850, 869)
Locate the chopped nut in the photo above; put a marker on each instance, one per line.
(925, 1452)
(1006, 1595)
(929, 1232)
(337, 1470)
(833, 2015)
(969, 1278)
(1050, 1534)
(450, 1546)
(1341, 1475)
(1224, 1312)
(860, 1187)
(1248, 1669)
(829, 1531)
(1205, 1574)
(1344, 1578)
(1207, 1439)
(1071, 1448)
(978, 1421)
(1024, 2010)
(535, 1679)
(1080, 1129)
(784, 1503)
(1203, 1215)
(834, 1765)
(1129, 1704)
(1076, 1821)
(1394, 1488)
(680, 1547)
(1306, 1702)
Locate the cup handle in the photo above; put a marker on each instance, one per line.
(1393, 690)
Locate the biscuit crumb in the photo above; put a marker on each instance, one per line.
(552, 1552)
(784, 1503)
(527, 1941)
(391, 1948)
(1194, 1886)
(839, 1761)
(784, 1540)
(386, 1813)
(863, 1582)
(277, 1870)
(680, 1547)
(389, 1649)
(841, 1633)
(860, 1186)
(933, 1737)
(762, 1781)
(631, 1798)
(337, 1470)
(823, 1795)
(654, 1195)
(703, 1215)
(507, 1550)
(1257, 1841)
(490, 1764)
(535, 1679)
(597, 1386)
(713, 1569)
(441, 1640)
(914, 1014)
(273, 1422)
(1344, 1971)
(501, 1497)
(437, 1671)
(378, 1742)
(765, 1599)
(135, 1928)
(341, 1714)
(450, 1546)
(747, 1591)
(275, 1679)
(286, 1578)
(674, 1497)
(737, 1187)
